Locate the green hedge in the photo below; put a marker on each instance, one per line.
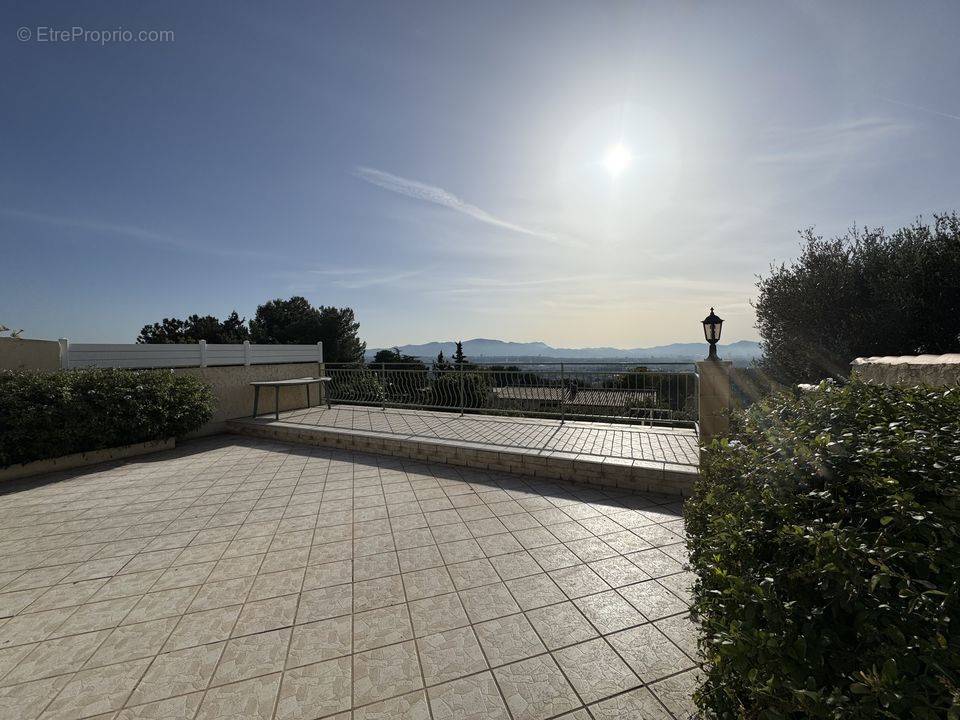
(826, 540)
(49, 414)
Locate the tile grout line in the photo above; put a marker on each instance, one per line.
(476, 538)
(296, 611)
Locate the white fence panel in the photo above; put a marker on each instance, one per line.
(218, 354)
(284, 353)
(132, 356)
(81, 355)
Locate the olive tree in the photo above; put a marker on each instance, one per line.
(867, 292)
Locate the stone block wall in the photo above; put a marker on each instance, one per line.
(936, 370)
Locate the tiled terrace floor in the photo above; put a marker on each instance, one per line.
(236, 578)
(636, 442)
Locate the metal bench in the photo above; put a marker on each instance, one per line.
(277, 384)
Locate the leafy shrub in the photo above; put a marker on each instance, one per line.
(45, 415)
(449, 389)
(356, 385)
(825, 535)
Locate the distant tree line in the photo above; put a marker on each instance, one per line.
(294, 321)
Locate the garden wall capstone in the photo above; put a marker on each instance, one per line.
(935, 370)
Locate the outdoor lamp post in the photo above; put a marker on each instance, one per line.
(711, 331)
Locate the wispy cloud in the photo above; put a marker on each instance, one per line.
(484, 286)
(828, 142)
(438, 196)
(359, 278)
(911, 106)
(128, 232)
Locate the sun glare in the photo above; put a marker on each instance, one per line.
(617, 159)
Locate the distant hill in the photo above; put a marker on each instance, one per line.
(486, 349)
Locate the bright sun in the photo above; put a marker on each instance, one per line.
(617, 159)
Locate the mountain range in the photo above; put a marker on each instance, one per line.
(483, 348)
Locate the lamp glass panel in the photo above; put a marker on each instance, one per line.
(711, 331)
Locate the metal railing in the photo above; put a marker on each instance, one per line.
(662, 394)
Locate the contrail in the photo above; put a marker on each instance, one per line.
(439, 196)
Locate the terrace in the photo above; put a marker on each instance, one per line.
(610, 424)
(245, 578)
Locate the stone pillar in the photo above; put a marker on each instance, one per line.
(714, 398)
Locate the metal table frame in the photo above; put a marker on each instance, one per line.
(277, 384)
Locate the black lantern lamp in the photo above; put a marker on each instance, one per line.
(711, 331)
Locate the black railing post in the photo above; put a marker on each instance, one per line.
(563, 395)
(463, 397)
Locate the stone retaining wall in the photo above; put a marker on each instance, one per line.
(77, 460)
(634, 475)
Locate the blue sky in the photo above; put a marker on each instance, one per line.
(440, 166)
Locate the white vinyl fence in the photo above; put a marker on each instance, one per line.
(203, 354)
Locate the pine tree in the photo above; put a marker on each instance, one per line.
(441, 364)
(296, 321)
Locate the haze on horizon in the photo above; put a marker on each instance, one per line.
(582, 174)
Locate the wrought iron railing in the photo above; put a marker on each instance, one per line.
(664, 394)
